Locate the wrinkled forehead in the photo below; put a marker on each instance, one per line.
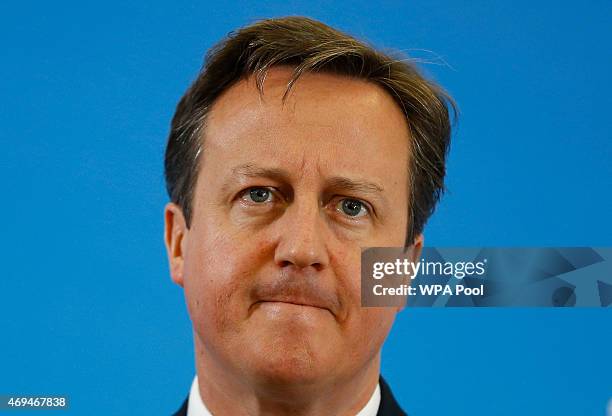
(312, 91)
(326, 121)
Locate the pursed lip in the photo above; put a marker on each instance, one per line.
(294, 301)
(298, 291)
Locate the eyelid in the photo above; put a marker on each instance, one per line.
(274, 193)
(277, 195)
(366, 205)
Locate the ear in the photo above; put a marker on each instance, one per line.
(414, 253)
(417, 248)
(174, 237)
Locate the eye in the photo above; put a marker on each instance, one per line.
(352, 207)
(258, 195)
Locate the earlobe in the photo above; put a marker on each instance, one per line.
(174, 235)
(417, 248)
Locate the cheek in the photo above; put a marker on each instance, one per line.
(369, 333)
(376, 324)
(218, 273)
(344, 261)
(365, 328)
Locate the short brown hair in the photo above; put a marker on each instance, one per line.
(311, 46)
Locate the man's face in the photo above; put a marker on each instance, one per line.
(285, 198)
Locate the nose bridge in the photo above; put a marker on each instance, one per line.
(302, 235)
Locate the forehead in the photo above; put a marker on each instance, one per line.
(327, 122)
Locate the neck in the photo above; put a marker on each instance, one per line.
(228, 392)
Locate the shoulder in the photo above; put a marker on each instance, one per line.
(388, 404)
(182, 411)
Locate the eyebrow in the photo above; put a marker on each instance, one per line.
(355, 185)
(252, 171)
(336, 182)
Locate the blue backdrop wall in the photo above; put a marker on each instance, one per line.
(86, 304)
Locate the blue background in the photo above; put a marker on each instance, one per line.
(87, 307)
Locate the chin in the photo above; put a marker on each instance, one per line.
(284, 376)
(291, 362)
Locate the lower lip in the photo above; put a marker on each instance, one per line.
(280, 307)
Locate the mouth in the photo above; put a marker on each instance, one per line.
(289, 303)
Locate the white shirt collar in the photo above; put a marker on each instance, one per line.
(196, 406)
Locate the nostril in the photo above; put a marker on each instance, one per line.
(317, 266)
(288, 263)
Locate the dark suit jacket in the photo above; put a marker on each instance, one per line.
(388, 405)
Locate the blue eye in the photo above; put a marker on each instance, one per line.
(352, 207)
(259, 195)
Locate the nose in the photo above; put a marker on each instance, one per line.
(302, 238)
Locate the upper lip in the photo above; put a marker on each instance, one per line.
(298, 292)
